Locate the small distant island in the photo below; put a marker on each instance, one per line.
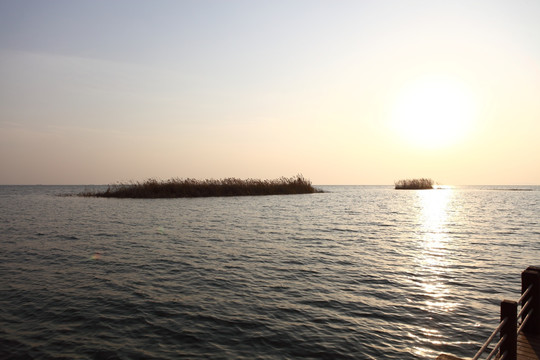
(414, 184)
(187, 188)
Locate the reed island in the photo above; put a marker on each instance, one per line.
(414, 184)
(187, 188)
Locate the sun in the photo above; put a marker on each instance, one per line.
(433, 112)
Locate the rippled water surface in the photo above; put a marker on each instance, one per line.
(354, 273)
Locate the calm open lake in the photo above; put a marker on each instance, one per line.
(358, 272)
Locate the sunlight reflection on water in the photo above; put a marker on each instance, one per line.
(433, 258)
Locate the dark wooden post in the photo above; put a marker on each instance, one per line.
(531, 276)
(509, 345)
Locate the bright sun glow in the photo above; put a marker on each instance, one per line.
(433, 112)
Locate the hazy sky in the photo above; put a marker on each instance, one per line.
(344, 92)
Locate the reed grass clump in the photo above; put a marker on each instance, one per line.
(178, 188)
(414, 184)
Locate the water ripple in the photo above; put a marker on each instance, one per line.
(354, 273)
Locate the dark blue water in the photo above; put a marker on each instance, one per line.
(354, 273)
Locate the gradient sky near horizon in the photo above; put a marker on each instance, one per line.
(344, 92)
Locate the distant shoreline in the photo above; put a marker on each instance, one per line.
(189, 188)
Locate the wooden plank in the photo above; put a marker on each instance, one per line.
(528, 347)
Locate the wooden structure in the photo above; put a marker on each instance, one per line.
(528, 347)
(519, 332)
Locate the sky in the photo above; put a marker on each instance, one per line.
(343, 92)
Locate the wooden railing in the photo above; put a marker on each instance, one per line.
(512, 322)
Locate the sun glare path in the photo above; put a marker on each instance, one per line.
(434, 258)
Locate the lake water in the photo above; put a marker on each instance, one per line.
(357, 272)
